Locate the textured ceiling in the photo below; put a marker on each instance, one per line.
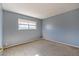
(40, 10)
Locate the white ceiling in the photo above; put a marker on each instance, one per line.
(40, 10)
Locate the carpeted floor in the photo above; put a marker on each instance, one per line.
(42, 48)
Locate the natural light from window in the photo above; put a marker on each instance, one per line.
(24, 24)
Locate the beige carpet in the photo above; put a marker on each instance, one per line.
(42, 48)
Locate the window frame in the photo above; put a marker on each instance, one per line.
(28, 23)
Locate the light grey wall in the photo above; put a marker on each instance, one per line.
(63, 28)
(13, 36)
(1, 26)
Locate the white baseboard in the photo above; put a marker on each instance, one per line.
(25, 42)
(63, 43)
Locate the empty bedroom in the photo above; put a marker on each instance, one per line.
(39, 29)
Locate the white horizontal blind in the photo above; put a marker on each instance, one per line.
(26, 24)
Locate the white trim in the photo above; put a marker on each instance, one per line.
(25, 42)
(63, 43)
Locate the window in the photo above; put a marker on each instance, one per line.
(26, 24)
